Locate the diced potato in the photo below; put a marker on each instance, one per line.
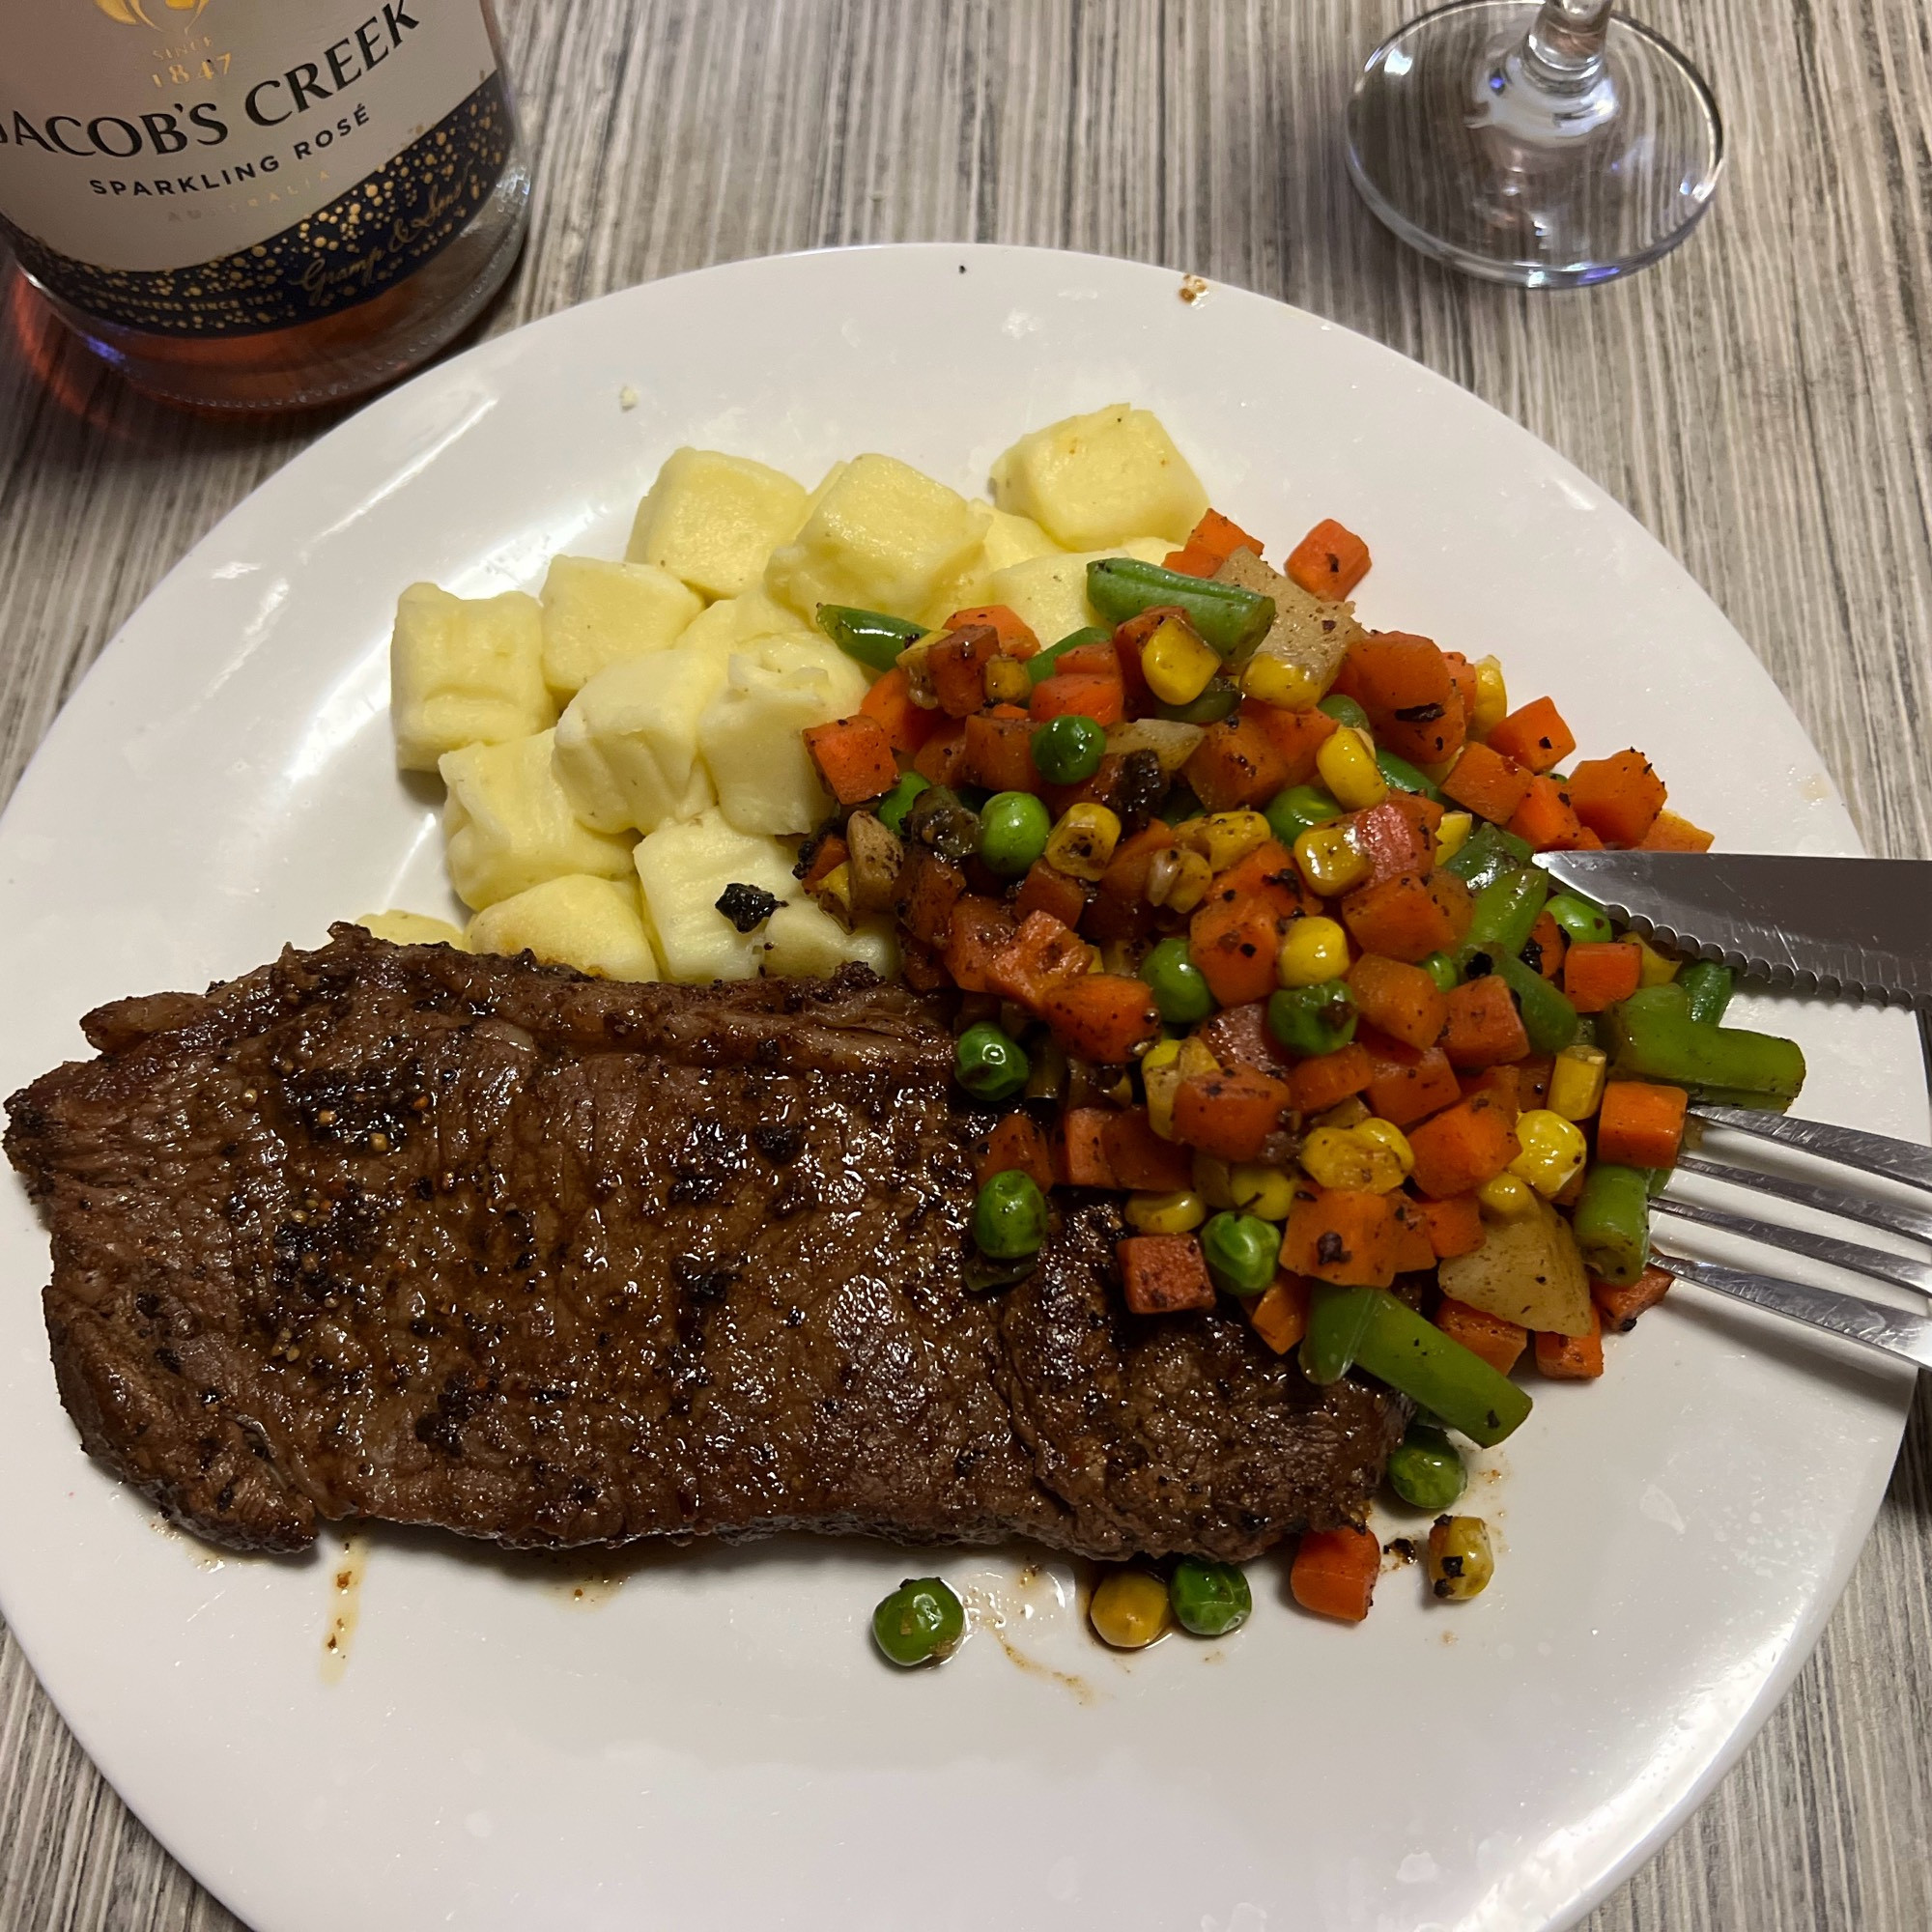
(750, 731)
(465, 670)
(713, 520)
(414, 928)
(735, 621)
(883, 537)
(807, 942)
(594, 924)
(508, 824)
(1094, 479)
(1527, 1271)
(1308, 631)
(1010, 540)
(683, 868)
(1050, 593)
(597, 613)
(627, 743)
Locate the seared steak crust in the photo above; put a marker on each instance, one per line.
(404, 1233)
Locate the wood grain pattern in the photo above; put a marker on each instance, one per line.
(1762, 401)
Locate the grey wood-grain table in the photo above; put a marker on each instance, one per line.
(1762, 401)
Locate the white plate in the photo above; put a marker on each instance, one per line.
(715, 1745)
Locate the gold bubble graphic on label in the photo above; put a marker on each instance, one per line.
(137, 13)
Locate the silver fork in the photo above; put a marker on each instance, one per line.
(1878, 1327)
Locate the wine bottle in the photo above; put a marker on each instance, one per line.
(260, 203)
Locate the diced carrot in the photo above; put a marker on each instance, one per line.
(1618, 797)
(827, 856)
(1572, 1358)
(1280, 1314)
(1399, 999)
(1058, 893)
(956, 664)
(1229, 1114)
(1463, 1147)
(1329, 561)
(1532, 1078)
(1268, 872)
(1340, 1235)
(1598, 972)
(1621, 1306)
(1413, 1250)
(1499, 1341)
(1673, 833)
(941, 758)
(998, 752)
(1406, 918)
(1098, 659)
(1334, 1572)
(1239, 1037)
(1126, 878)
(1328, 1079)
(1016, 1145)
(982, 929)
(1041, 956)
(1545, 947)
(1111, 920)
(1234, 942)
(1141, 1159)
(1237, 763)
(1402, 682)
(1503, 1085)
(1486, 782)
(928, 889)
(1079, 693)
(922, 966)
(1455, 1225)
(1080, 1148)
(1408, 1084)
(1462, 674)
(1211, 542)
(1485, 1028)
(1640, 1124)
(1164, 1274)
(1534, 735)
(1392, 839)
(1102, 1016)
(854, 757)
(907, 725)
(1544, 818)
(1015, 632)
(1295, 735)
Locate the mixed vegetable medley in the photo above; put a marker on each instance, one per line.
(1241, 903)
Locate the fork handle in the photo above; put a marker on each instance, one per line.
(1890, 1330)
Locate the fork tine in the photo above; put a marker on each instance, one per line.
(1900, 1217)
(1872, 1154)
(1872, 1262)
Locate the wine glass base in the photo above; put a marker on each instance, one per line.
(1463, 148)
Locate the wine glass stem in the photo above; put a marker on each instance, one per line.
(1564, 49)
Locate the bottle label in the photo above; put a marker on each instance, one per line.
(222, 167)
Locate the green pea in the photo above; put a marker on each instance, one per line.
(1013, 831)
(1178, 987)
(1425, 1470)
(1241, 1251)
(1292, 811)
(1583, 922)
(897, 802)
(1068, 750)
(1009, 1217)
(921, 1622)
(1209, 1598)
(1443, 969)
(1345, 711)
(1313, 1019)
(989, 1064)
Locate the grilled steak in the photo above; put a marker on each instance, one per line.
(410, 1234)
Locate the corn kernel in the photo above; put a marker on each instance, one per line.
(1450, 835)
(1130, 1609)
(1224, 839)
(1179, 1212)
(1576, 1081)
(1386, 1134)
(1082, 845)
(1264, 1191)
(1213, 1181)
(1347, 765)
(1552, 1151)
(1004, 681)
(834, 893)
(1178, 879)
(1506, 1198)
(1459, 1560)
(1345, 1157)
(1328, 859)
(1652, 968)
(1313, 950)
(1177, 664)
(1160, 1080)
(1281, 682)
(1492, 698)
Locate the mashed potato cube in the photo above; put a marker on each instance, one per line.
(509, 825)
(1050, 593)
(713, 520)
(733, 621)
(594, 924)
(465, 670)
(684, 868)
(597, 614)
(1010, 540)
(883, 537)
(1094, 479)
(627, 743)
(414, 928)
(807, 942)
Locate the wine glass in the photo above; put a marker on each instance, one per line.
(1549, 145)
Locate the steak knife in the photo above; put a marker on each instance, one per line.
(1860, 927)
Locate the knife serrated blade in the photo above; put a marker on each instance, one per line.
(1854, 926)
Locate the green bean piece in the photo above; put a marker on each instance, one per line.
(1654, 1040)
(891, 810)
(1338, 1320)
(1547, 1016)
(1402, 776)
(1229, 621)
(1441, 967)
(1505, 911)
(921, 1622)
(1043, 664)
(1068, 750)
(1220, 698)
(989, 1063)
(1346, 711)
(1313, 1019)
(1707, 989)
(1582, 923)
(1486, 855)
(1178, 987)
(1291, 811)
(1014, 827)
(1241, 1251)
(870, 637)
(1425, 1469)
(1209, 1598)
(1611, 1222)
